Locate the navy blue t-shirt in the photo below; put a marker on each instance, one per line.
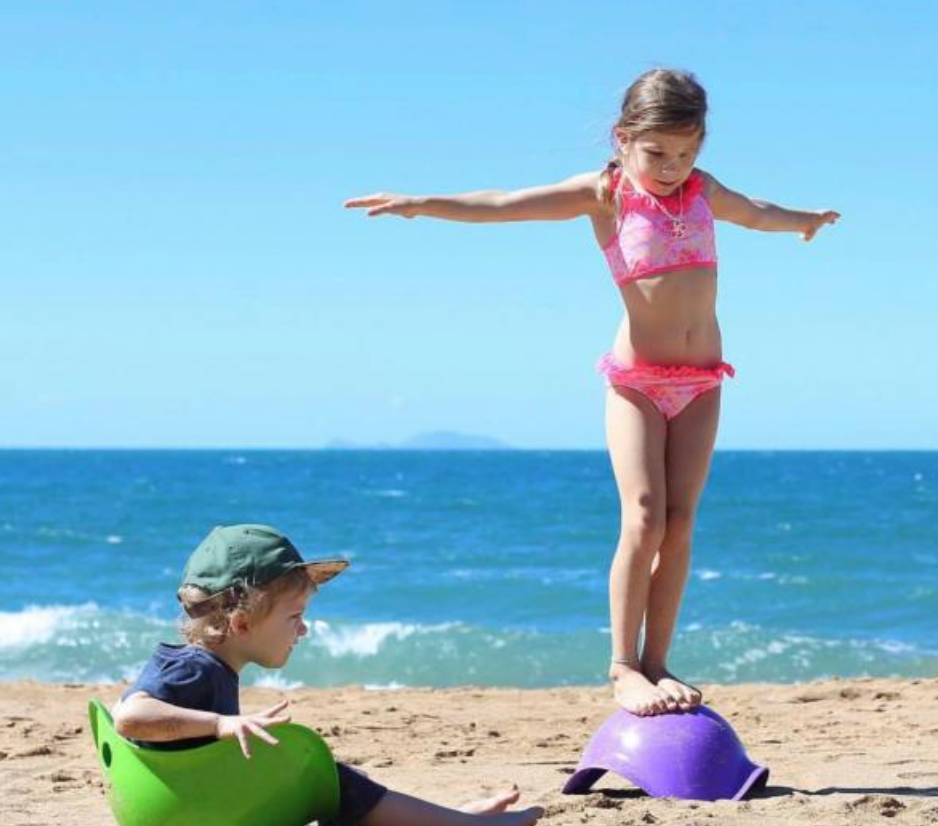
(190, 677)
(193, 677)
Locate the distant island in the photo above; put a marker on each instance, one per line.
(434, 440)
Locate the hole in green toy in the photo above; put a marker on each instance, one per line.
(106, 755)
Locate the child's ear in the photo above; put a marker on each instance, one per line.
(238, 622)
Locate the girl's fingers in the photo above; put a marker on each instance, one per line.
(367, 200)
(243, 740)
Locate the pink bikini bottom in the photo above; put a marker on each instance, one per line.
(670, 389)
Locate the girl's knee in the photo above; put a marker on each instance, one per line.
(679, 524)
(643, 526)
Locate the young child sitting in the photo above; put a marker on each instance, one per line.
(245, 591)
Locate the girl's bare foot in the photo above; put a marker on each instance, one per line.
(685, 695)
(495, 803)
(634, 692)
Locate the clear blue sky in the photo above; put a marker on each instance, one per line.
(177, 269)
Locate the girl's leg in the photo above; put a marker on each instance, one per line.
(691, 436)
(396, 809)
(635, 433)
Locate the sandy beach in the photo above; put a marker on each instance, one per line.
(840, 752)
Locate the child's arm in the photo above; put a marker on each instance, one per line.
(145, 718)
(556, 202)
(728, 205)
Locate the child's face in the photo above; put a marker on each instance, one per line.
(269, 641)
(660, 161)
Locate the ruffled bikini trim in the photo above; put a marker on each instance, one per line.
(608, 366)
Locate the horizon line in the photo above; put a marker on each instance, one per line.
(402, 449)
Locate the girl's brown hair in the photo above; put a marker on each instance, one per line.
(213, 627)
(664, 100)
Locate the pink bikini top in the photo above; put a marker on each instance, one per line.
(654, 235)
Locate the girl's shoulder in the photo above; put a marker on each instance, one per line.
(587, 188)
(706, 182)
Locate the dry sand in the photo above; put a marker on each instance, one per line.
(840, 752)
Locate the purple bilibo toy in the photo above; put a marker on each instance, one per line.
(692, 755)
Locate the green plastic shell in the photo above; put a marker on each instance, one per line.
(290, 784)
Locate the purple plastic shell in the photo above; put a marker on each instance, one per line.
(693, 755)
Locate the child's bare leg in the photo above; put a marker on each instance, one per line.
(396, 809)
(635, 434)
(691, 436)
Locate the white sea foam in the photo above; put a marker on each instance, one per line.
(705, 574)
(895, 647)
(792, 579)
(391, 686)
(39, 624)
(366, 640)
(114, 539)
(276, 680)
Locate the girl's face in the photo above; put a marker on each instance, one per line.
(659, 161)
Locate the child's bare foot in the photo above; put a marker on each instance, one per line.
(685, 695)
(523, 817)
(635, 693)
(496, 803)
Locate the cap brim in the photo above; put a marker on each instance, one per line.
(322, 570)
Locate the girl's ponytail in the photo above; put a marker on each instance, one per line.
(607, 189)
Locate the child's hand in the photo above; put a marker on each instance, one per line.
(243, 725)
(817, 220)
(387, 203)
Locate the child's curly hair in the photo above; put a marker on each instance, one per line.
(212, 625)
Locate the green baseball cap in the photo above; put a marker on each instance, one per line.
(234, 556)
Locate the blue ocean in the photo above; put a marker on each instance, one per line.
(474, 567)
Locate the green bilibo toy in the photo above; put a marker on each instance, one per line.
(290, 784)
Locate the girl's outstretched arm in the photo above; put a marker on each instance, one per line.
(728, 205)
(556, 202)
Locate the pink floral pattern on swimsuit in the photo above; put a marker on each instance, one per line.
(645, 243)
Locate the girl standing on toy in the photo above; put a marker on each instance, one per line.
(652, 213)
